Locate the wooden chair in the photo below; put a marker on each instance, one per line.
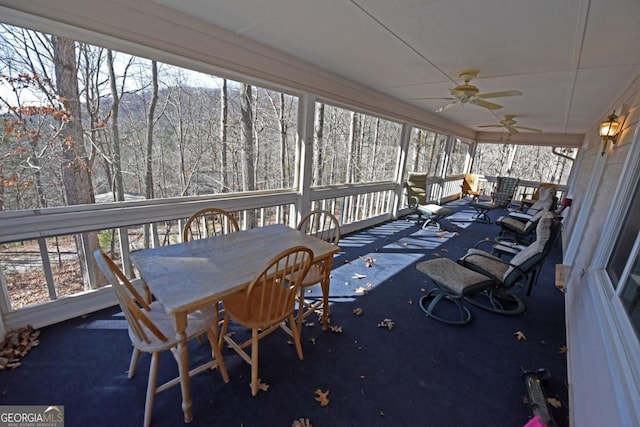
(152, 330)
(266, 303)
(471, 186)
(325, 226)
(209, 222)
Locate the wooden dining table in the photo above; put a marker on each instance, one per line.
(187, 276)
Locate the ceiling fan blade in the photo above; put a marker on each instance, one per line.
(485, 104)
(528, 128)
(512, 129)
(449, 98)
(449, 105)
(499, 94)
(490, 126)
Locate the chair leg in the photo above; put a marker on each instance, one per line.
(216, 353)
(133, 364)
(296, 336)
(151, 388)
(223, 332)
(254, 360)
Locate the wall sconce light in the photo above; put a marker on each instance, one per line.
(609, 131)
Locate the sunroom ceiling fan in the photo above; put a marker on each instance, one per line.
(467, 93)
(511, 125)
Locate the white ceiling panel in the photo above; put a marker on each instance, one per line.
(570, 58)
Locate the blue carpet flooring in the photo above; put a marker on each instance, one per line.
(419, 373)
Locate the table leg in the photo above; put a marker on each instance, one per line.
(326, 281)
(183, 364)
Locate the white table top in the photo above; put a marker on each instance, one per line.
(187, 276)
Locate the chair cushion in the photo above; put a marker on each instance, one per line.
(453, 277)
(484, 263)
(524, 261)
(432, 209)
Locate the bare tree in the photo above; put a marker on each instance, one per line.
(318, 145)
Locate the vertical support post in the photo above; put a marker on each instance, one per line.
(401, 167)
(304, 155)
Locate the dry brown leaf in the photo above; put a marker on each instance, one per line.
(554, 402)
(262, 386)
(358, 276)
(563, 349)
(520, 335)
(309, 324)
(387, 323)
(410, 302)
(322, 397)
(302, 422)
(313, 341)
(436, 254)
(358, 311)
(335, 328)
(423, 290)
(289, 342)
(361, 290)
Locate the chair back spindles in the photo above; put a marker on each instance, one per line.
(209, 222)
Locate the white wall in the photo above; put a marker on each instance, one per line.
(602, 373)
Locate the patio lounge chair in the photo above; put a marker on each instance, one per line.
(547, 201)
(430, 212)
(537, 194)
(501, 197)
(479, 276)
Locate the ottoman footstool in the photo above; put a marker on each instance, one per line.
(453, 283)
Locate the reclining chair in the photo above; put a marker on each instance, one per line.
(519, 230)
(483, 279)
(416, 187)
(546, 201)
(537, 194)
(501, 197)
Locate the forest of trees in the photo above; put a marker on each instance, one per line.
(80, 120)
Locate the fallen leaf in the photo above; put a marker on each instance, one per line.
(381, 414)
(322, 397)
(313, 341)
(520, 335)
(563, 349)
(335, 328)
(387, 323)
(410, 302)
(262, 386)
(554, 402)
(289, 342)
(302, 422)
(358, 276)
(423, 290)
(436, 254)
(361, 290)
(358, 311)
(346, 261)
(444, 250)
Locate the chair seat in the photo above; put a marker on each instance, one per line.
(451, 277)
(433, 213)
(197, 323)
(314, 276)
(237, 306)
(453, 283)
